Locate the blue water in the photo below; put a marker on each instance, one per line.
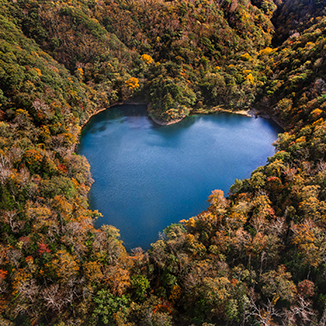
(149, 176)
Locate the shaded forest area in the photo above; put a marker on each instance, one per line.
(256, 257)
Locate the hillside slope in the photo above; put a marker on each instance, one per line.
(255, 257)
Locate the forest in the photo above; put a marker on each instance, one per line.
(257, 256)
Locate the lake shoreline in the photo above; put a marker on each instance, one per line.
(218, 109)
(82, 126)
(265, 115)
(252, 113)
(212, 110)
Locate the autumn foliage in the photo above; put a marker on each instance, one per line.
(256, 256)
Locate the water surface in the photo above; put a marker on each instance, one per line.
(149, 176)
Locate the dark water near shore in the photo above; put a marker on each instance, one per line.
(149, 176)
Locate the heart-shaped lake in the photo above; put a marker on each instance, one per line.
(149, 176)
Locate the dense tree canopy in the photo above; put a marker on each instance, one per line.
(257, 256)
